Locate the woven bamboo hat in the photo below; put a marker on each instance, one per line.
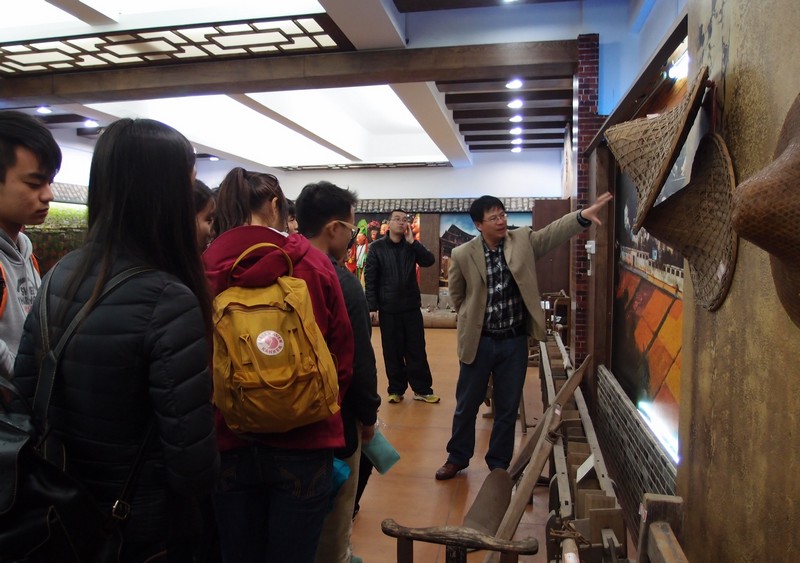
(697, 222)
(766, 211)
(647, 148)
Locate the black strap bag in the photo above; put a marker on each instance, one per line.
(45, 515)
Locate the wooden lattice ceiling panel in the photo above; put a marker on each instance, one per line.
(234, 40)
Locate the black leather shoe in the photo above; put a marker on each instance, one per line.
(449, 470)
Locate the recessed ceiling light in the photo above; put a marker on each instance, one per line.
(515, 104)
(44, 110)
(516, 131)
(516, 141)
(514, 84)
(516, 119)
(213, 158)
(90, 123)
(516, 149)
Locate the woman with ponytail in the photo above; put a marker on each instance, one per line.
(274, 489)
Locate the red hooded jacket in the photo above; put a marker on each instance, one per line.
(260, 269)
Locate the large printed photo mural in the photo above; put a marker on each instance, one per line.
(648, 316)
(457, 228)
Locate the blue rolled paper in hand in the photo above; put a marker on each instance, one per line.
(380, 452)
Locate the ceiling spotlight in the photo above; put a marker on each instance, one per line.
(516, 119)
(213, 158)
(515, 104)
(516, 141)
(44, 110)
(514, 84)
(516, 131)
(516, 149)
(90, 123)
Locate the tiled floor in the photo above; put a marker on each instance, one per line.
(408, 493)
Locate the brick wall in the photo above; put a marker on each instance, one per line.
(589, 123)
(635, 459)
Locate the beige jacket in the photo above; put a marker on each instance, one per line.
(467, 279)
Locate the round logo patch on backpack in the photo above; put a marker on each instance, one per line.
(270, 343)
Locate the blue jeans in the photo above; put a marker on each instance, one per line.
(270, 503)
(507, 361)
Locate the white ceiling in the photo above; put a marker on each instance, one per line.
(381, 124)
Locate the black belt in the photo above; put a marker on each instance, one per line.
(502, 334)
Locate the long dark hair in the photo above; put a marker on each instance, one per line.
(141, 204)
(202, 195)
(243, 192)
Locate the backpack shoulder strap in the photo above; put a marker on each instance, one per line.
(256, 246)
(4, 290)
(50, 356)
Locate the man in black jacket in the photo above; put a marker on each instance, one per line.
(325, 217)
(390, 277)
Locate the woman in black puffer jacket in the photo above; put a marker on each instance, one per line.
(142, 353)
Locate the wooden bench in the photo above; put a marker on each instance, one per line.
(494, 515)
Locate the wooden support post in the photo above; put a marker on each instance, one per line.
(611, 545)
(405, 550)
(455, 554)
(663, 546)
(569, 551)
(658, 508)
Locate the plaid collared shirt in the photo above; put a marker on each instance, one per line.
(504, 306)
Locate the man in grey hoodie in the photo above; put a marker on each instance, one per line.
(29, 159)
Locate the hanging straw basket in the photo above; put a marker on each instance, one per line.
(766, 211)
(647, 148)
(697, 222)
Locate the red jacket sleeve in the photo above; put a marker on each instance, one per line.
(330, 312)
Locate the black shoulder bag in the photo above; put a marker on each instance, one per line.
(46, 515)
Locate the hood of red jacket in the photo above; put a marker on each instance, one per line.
(259, 267)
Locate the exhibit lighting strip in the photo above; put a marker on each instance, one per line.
(667, 438)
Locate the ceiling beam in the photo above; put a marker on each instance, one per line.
(386, 29)
(508, 147)
(505, 97)
(536, 85)
(427, 5)
(469, 62)
(249, 102)
(84, 12)
(534, 114)
(427, 106)
(505, 138)
(505, 126)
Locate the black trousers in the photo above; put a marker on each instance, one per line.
(403, 338)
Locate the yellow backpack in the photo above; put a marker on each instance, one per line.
(272, 368)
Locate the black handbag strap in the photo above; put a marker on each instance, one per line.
(121, 508)
(44, 386)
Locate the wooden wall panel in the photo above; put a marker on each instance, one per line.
(552, 269)
(429, 236)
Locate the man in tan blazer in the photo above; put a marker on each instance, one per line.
(493, 287)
